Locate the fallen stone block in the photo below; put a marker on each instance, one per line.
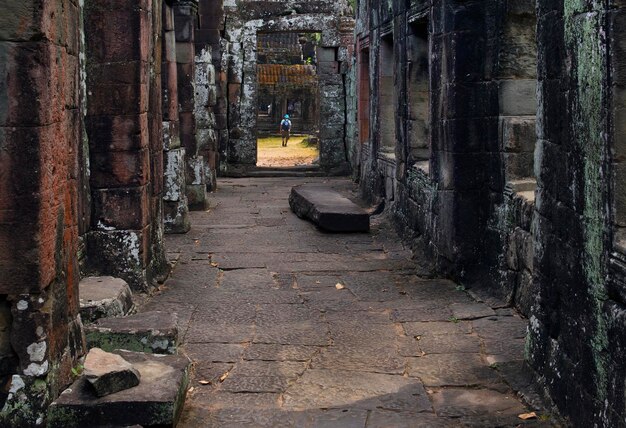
(156, 401)
(109, 373)
(104, 296)
(328, 209)
(154, 332)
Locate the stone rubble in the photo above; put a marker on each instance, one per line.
(109, 373)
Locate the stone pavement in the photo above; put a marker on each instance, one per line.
(290, 326)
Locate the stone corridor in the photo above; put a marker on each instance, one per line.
(290, 326)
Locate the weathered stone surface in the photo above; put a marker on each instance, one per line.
(109, 373)
(155, 332)
(102, 297)
(274, 340)
(452, 370)
(157, 400)
(463, 402)
(328, 209)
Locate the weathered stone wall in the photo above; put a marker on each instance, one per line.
(244, 19)
(186, 17)
(89, 114)
(577, 326)
(124, 127)
(461, 103)
(535, 215)
(40, 139)
(175, 205)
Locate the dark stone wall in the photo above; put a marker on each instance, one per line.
(457, 189)
(520, 197)
(577, 329)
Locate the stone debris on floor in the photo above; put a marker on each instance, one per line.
(287, 325)
(328, 209)
(109, 373)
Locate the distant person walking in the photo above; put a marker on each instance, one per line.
(285, 129)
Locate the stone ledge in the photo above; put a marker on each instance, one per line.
(152, 332)
(157, 400)
(328, 209)
(104, 296)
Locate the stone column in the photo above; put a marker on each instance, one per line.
(40, 133)
(121, 126)
(208, 59)
(185, 22)
(176, 210)
(209, 35)
(158, 267)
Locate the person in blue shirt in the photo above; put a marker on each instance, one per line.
(285, 129)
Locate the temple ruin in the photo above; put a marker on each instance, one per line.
(491, 134)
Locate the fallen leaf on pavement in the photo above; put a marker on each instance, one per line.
(339, 286)
(214, 264)
(223, 377)
(204, 382)
(526, 416)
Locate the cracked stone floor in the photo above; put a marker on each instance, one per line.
(277, 343)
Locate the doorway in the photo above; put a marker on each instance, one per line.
(287, 88)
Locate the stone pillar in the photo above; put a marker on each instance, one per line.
(40, 133)
(185, 13)
(209, 35)
(176, 210)
(123, 128)
(158, 267)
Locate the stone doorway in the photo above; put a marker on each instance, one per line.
(332, 56)
(288, 84)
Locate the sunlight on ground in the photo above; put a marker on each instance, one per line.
(271, 153)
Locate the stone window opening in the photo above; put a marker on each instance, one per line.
(517, 90)
(418, 71)
(387, 99)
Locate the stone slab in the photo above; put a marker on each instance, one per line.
(104, 296)
(154, 332)
(109, 373)
(156, 401)
(328, 209)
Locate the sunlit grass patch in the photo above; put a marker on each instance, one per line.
(271, 153)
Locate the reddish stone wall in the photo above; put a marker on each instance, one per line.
(40, 134)
(124, 127)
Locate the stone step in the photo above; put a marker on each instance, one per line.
(153, 332)
(328, 209)
(156, 401)
(292, 171)
(104, 296)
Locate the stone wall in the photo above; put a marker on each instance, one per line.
(40, 139)
(175, 203)
(457, 95)
(577, 329)
(124, 128)
(89, 115)
(513, 183)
